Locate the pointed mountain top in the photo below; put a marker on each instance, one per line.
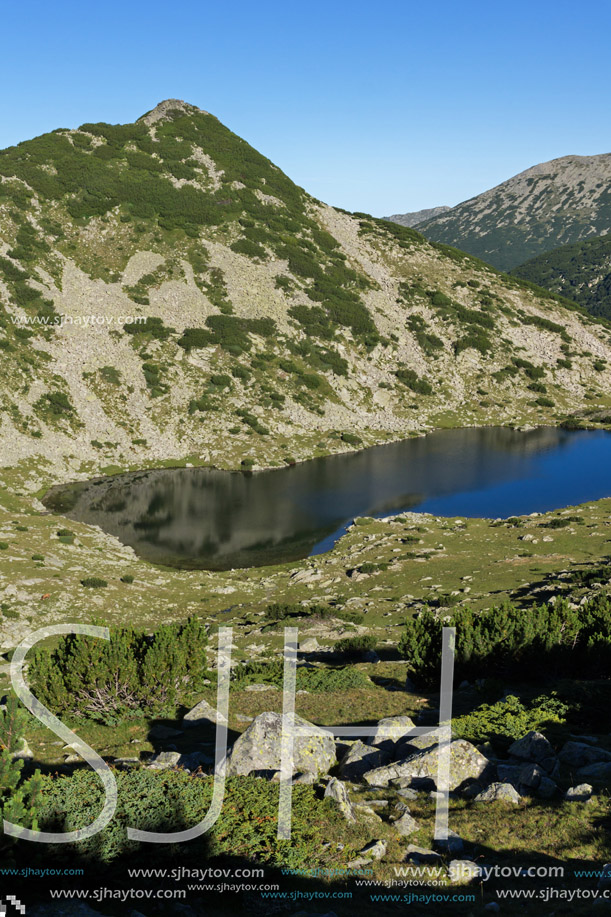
(167, 109)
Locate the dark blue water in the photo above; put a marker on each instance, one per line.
(209, 519)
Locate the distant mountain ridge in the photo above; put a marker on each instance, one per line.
(416, 216)
(581, 272)
(553, 203)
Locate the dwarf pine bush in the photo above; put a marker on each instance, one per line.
(18, 798)
(104, 679)
(513, 642)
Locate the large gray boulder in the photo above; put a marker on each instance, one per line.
(361, 758)
(579, 754)
(466, 764)
(390, 729)
(532, 747)
(258, 749)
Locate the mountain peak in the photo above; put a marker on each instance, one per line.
(166, 110)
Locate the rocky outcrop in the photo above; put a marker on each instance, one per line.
(258, 749)
(467, 764)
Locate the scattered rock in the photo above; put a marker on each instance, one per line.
(461, 872)
(580, 793)
(159, 731)
(600, 771)
(452, 845)
(337, 790)
(405, 825)
(25, 753)
(165, 760)
(531, 776)
(309, 646)
(307, 777)
(503, 792)
(375, 850)
(547, 788)
(202, 714)
(421, 855)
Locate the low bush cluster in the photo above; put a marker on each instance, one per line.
(513, 642)
(131, 672)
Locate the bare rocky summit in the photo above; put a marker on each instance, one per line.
(551, 204)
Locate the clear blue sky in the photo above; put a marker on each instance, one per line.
(383, 106)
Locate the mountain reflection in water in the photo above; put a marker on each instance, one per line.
(200, 518)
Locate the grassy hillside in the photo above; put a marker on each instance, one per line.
(169, 294)
(581, 272)
(553, 203)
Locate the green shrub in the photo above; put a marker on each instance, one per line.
(475, 340)
(351, 439)
(220, 380)
(110, 374)
(152, 326)
(3, 545)
(127, 578)
(509, 719)
(439, 299)
(227, 331)
(318, 680)
(38, 557)
(18, 798)
(170, 801)
(94, 582)
(513, 642)
(248, 248)
(57, 404)
(102, 679)
(413, 381)
(561, 522)
(356, 646)
(240, 372)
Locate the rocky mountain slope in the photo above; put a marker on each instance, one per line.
(581, 272)
(553, 203)
(168, 293)
(417, 216)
